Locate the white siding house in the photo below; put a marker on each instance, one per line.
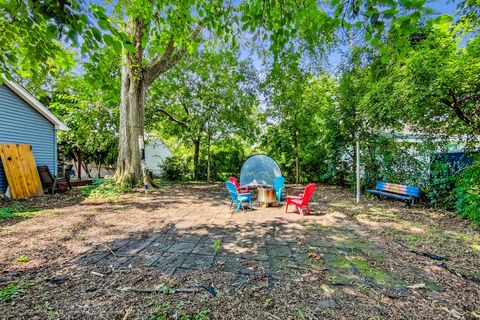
(155, 154)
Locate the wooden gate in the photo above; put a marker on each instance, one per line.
(21, 170)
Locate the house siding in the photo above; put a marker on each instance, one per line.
(20, 123)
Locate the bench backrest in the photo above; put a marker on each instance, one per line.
(411, 191)
(46, 176)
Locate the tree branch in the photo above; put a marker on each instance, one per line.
(458, 111)
(168, 59)
(173, 119)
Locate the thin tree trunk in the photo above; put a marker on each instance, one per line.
(78, 156)
(297, 161)
(196, 156)
(99, 167)
(87, 170)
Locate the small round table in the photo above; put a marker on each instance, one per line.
(266, 196)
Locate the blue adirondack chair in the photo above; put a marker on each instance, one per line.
(279, 185)
(239, 198)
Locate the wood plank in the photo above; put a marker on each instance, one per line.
(21, 171)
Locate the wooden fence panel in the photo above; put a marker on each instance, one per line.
(21, 170)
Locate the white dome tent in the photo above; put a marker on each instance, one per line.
(259, 170)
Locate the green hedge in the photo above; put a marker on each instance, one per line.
(468, 192)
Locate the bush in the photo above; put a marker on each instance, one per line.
(173, 169)
(468, 192)
(441, 187)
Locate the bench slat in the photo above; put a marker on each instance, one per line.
(392, 195)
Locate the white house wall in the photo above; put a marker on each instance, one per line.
(155, 154)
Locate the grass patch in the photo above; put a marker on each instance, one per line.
(17, 211)
(216, 246)
(412, 239)
(23, 259)
(104, 189)
(10, 291)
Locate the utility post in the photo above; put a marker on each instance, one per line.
(357, 159)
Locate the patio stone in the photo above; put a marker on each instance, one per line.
(182, 247)
(144, 259)
(226, 263)
(278, 250)
(198, 261)
(194, 238)
(205, 248)
(259, 254)
(170, 260)
(261, 245)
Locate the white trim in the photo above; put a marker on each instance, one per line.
(35, 104)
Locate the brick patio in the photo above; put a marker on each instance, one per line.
(206, 234)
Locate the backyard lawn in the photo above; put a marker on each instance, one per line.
(180, 253)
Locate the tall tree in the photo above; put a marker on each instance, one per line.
(208, 94)
(295, 98)
(88, 104)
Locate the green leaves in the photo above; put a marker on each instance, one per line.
(443, 19)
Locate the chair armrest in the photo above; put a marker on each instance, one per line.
(294, 197)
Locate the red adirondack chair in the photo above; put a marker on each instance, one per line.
(235, 182)
(302, 199)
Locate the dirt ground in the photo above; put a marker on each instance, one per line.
(180, 253)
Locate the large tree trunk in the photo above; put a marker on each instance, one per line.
(136, 77)
(132, 110)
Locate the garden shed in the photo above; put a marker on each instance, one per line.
(24, 120)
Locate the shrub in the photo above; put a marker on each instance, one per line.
(173, 169)
(468, 192)
(441, 187)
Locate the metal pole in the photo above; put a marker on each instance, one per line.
(357, 156)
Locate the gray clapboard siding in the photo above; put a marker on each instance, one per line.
(20, 123)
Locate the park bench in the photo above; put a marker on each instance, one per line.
(408, 194)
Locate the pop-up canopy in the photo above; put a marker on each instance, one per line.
(259, 170)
